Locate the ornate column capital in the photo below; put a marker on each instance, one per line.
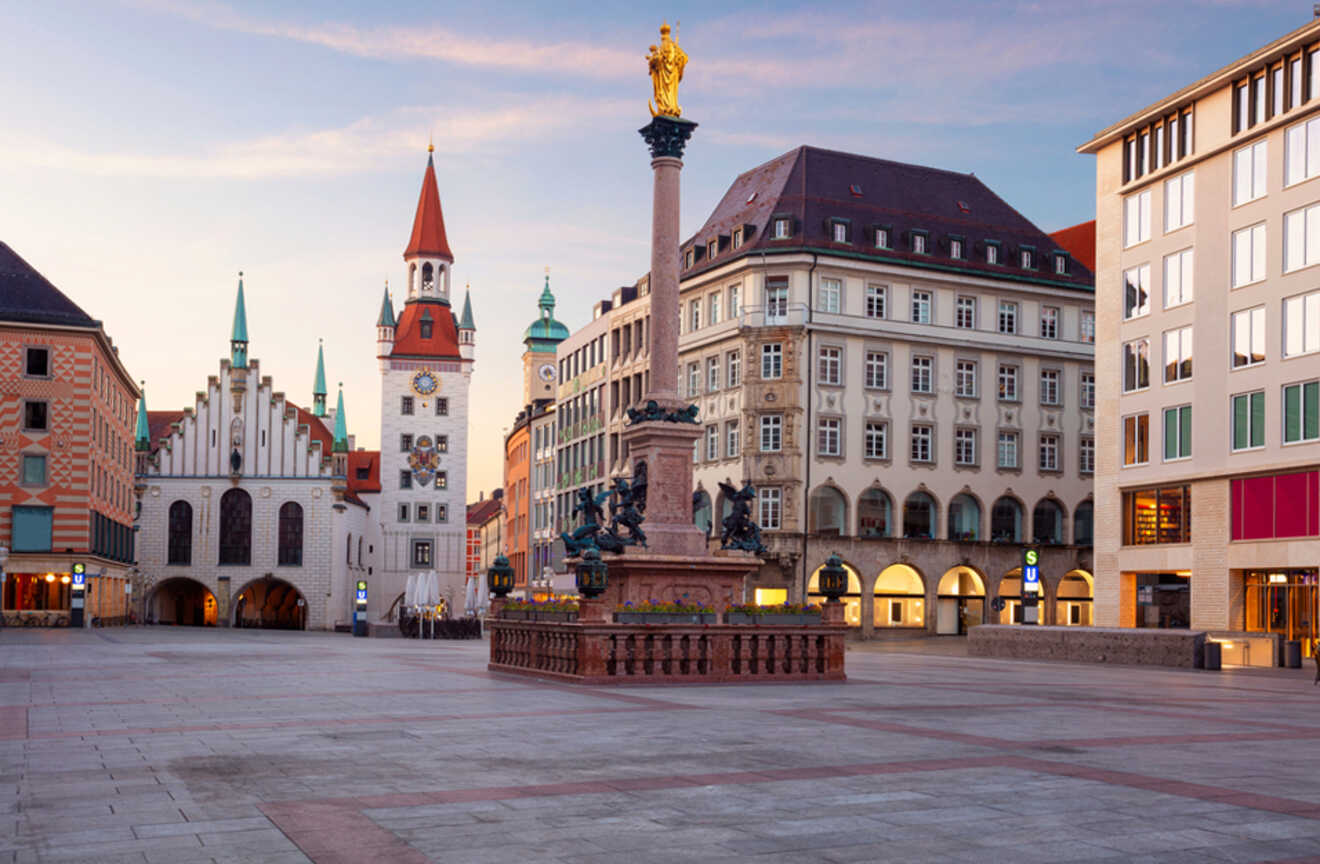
(667, 136)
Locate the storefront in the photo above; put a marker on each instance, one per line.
(1164, 600)
(37, 599)
(1284, 602)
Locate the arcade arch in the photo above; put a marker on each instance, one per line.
(960, 601)
(270, 604)
(1073, 600)
(900, 597)
(181, 601)
(851, 600)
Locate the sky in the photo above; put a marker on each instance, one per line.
(150, 150)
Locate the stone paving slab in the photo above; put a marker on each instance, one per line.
(182, 745)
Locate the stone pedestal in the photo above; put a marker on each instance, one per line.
(710, 580)
(667, 450)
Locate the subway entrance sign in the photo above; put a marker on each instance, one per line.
(78, 595)
(360, 609)
(1031, 586)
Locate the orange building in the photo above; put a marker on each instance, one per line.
(67, 408)
(517, 501)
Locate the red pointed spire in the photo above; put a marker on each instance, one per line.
(428, 233)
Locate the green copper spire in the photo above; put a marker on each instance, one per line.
(340, 444)
(238, 338)
(386, 318)
(318, 386)
(465, 323)
(142, 437)
(545, 332)
(547, 301)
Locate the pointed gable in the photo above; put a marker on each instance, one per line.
(428, 233)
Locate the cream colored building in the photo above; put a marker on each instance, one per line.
(1208, 227)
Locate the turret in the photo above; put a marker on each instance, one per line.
(385, 324)
(339, 450)
(427, 254)
(142, 434)
(318, 385)
(467, 330)
(238, 356)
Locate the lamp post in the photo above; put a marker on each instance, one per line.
(499, 582)
(833, 584)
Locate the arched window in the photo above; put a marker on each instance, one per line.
(701, 510)
(236, 527)
(827, 512)
(1006, 521)
(348, 548)
(919, 517)
(1084, 524)
(291, 534)
(964, 518)
(180, 549)
(359, 551)
(428, 278)
(1047, 522)
(899, 597)
(875, 513)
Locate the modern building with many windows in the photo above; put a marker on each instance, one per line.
(1208, 361)
(901, 364)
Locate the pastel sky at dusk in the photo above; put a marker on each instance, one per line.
(149, 150)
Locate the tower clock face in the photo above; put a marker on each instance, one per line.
(547, 372)
(425, 382)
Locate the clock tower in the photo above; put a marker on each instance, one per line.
(542, 337)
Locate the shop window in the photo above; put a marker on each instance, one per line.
(1162, 515)
(1276, 505)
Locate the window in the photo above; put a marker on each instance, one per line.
(1061, 263)
(876, 297)
(421, 553)
(406, 405)
(423, 513)
(827, 436)
(1049, 322)
(694, 315)
(782, 229)
(1049, 386)
(1249, 420)
(713, 304)
(882, 238)
(839, 232)
(442, 479)
(35, 416)
(772, 428)
(830, 365)
(405, 443)
(1086, 456)
(991, 252)
(1007, 456)
(877, 440)
(688, 258)
(737, 238)
(1087, 396)
(37, 362)
(1248, 255)
(34, 469)
(405, 479)
(1249, 165)
(1295, 82)
(1276, 90)
(1301, 238)
(1136, 292)
(1136, 439)
(965, 379)
(426, 327)
(955, 247)
(1177, 355)
(1027, 258)
(921, 307)
(442, 407)
(1302, 325)
(876, 370)
(1157, 516)
(1178, 279)
(1249, 337)
(1049, 453)
(694, 379)
(712, 249)
(32, 528)
(776, 300)
(1179, 202)
(179, 549)
(1008, 315)
(770, 508)
(922, 439)
(235, 527)
(442, 512)
(442, 443)
(964, 313)
(712, 443)
(731, 443)
(1258, 99)
(1301, 143)
(290, 534)
(1136, 219)
(772, 360)
(734, 307)
(1136, 365)
(964, 446)
(1301, 412)
(1177, 433)
(712, 374)
(403, 512)
(1008, 383)
(733, 362)
(1159, 148)
(919, 242)
(923, 379)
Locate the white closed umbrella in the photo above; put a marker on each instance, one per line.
(470, 595)
(410, 591)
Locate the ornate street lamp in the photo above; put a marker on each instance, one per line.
(499, 578)
(833, 579)
(591, 574)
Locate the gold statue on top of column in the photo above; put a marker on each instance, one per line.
(666, 63)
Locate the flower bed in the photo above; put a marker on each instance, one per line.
(655, 612)
(531, 610)
(779, 614)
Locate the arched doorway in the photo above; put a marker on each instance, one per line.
(182, 602)
(827, 511)
(964, 518)
(900, 598)
(852, 600)
(1073, 601)
(961, 601)
(270, 604)
(1010, 591)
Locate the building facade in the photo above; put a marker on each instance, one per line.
(902, 366)
(1206, 483)
(66, 423)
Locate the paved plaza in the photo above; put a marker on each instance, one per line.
(184, 745)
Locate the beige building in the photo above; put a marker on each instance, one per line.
(901, 364)
(1208, 227)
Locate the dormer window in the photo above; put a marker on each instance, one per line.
(737, 237)
(955, 247)
(839, 230)
(882, 237)
(1027, 257)
(426, 326)
(992, 251)
(783, 229)
(712, 247)
(855, 190)
(1061, 263)
(920, 242)
(689, 258)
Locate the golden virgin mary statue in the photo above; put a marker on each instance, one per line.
(666, 63)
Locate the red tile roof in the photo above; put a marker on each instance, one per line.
(408, 339)
(481, 512)
(428, 233)
(158, 425)
(1079, 240)
(370, 460)
(317, 430)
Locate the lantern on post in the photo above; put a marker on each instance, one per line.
(833, 579)
(499, 578)
(591, 574)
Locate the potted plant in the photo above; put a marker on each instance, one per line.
(547, 610)
(778, 614)
(656, 612)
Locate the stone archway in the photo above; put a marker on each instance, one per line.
(181, 601)
(960, 601)
(1073, 599)
(270, 604)
(899, 596)
(852, 600)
